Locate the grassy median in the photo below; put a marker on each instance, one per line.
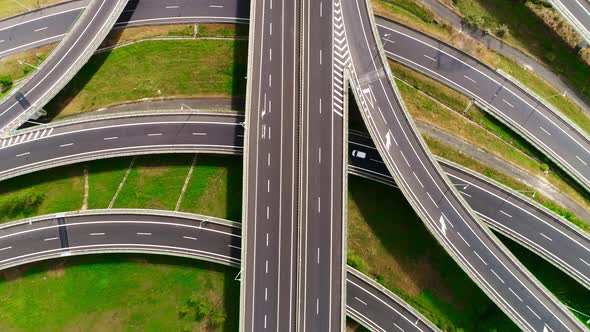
(155, 69)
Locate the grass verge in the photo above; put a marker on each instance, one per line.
(10, 8)
(181, 68)
(223, 30)
(119, 293)
(120, 36)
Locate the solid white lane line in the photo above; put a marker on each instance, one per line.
(402, 153)
(481, 259)
(40, 29)
(5, 248)
(545, 236)
(96, 234)
(432, 199)
(189, 238)
(110, 138)
(546, 132)
(155, 134)
(461, 236)
(507, 103)
(417, 179)
(23, 154)
(65, 145)
(469, 78)
(534, 313)
(464, 193)
(506, 214)
(234, 247)
(430, 58)
(516, 295)
(361, 301)
(50, 239)
(497, 276)
(144, 234)
(582, 161)
(199, 134)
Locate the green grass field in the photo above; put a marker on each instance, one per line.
(117, 293)
(189, 68)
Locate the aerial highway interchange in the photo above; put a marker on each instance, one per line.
(303, 56)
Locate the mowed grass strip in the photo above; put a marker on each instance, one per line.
(391, 10)
(223, 30)
(104, 177)
(156, 68)
(117, 293)
(154, 182)
(215, 188)
(120, 36)
(50, 191)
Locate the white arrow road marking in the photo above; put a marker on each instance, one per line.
(387, 141)
(443, 226)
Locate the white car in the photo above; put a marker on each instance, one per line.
(359, 154)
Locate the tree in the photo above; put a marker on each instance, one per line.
(6, 81)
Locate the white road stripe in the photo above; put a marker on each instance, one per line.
(189, 238)
(534, 313)
(430, 58)
(50, 239)
(582, 161)
(545, 236)
(518, 297)
(40, 29)
(23, 154)
(546, 132)
(507, 103)
(110, 138)
(155, 134)
(583, 261)
(506, 214)
(417, 179)
(461, 236)
(464, 193)
(234, 247)
(361, 301)
(199, 134)
(469, 78)
(497, 276)
(96, 234)
(145, 234)
(65, 145)
(6, 248)
(172, 7)
(481, 259)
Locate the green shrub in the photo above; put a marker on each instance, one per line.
(502, 31)
(6, 81)
(356, 262)
(473, 21)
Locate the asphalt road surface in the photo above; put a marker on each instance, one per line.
(435, 200)
(177, 234)
(567, 146)
(564, 143)
(84, 140)
(322, 185)
(269, 269)
(61, 65)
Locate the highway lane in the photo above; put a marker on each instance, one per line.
(61, 65)
(576, 13)
(270, 202)
(177, 234)
(564, 143)
(51, 24)
(322, 184)
(190, 132)
(434, 199)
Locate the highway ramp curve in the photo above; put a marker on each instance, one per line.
(434, 198)
(500, 95)
(37, 89)
(124, 134)
(178, 234)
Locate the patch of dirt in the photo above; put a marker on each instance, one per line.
(13, 274)
(140, 260)
(56, 270)
(106, 321)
